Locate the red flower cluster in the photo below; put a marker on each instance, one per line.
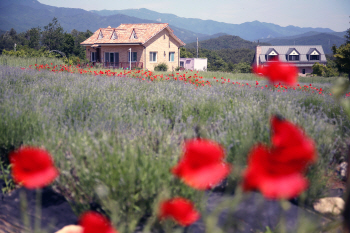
(33, 167)
(180, 209)
(278, 171)
(202, 165)
(277, 71)
(93, 222)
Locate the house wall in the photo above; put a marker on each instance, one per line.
(162, 45)
(188, 63)
(308, 70)
(200, 64)
(123, 51)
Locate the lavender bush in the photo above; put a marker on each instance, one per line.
(122, 135)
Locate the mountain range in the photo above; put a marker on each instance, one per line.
(248, 31)
(25, 14)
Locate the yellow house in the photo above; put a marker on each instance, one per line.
(141, 45)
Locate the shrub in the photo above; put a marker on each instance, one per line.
(161, 67)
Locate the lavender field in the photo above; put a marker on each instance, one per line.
(114, 139)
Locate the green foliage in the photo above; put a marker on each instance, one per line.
(34, 41)
(25, 51)
(184, 53)
(325, 71)
(161, 67)
(67, 47)
(52, 35)
(342, 57)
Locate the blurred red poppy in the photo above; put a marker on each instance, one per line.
(93, 222)
(278, 171)
(202, 165)
(179, 209)
(277, 71)
(33, 167)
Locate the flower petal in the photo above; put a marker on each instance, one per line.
(180, 209)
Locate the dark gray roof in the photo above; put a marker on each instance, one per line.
(303, 50)
(291, 50)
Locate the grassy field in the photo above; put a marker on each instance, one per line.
(115, 138)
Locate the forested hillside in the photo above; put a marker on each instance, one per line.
(225, 42)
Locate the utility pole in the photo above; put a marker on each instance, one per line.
(197, 47)
(130, 58)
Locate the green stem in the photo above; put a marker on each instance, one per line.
(24, 207)
(38, 210)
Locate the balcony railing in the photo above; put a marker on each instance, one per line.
(120, 65)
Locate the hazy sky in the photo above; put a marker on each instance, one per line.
(333, 14)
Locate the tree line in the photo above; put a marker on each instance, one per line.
(38, 41)
(226, 60)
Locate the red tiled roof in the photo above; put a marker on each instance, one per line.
(144, 32)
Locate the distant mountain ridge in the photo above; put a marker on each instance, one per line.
(25, 14)
(225, 42)
(248, 31)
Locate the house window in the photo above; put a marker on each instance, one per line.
(172, 56)
(181, 64)
(272, 57)
(314, 57)
(153, 57)
(293, 58)
(303, 71)
(93, 57)
(111, 57)
(164, 54)
(133, 56)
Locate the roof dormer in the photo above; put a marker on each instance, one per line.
(114, 35)
(292, 55)
(133, 35)
(313, 54)
(100, 35)
(271, 55)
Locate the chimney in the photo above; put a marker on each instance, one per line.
(257, 54)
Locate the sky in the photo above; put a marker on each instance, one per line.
(333, 14)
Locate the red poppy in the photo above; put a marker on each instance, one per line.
(278, 171)
(33, 167)
(93, 222)
(180, 209)
(277, 71)
(202, 165)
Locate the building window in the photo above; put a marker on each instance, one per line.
(153, 57)
(272, 57)
(172, 56)
(293, 58)
(181, 64)
(314, 57)
(303, 71)
(111, 57)
(164, 54)
(100, 36)
(93, 57)
(133, 56)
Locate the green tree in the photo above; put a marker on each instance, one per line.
(33, 37)
(185, 53)
(52, 35)
(318, 69)
(342, 58)
(67, 45)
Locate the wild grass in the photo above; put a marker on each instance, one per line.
(123, 135)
